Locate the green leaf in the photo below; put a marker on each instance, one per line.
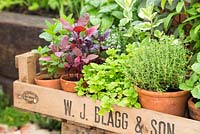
(34, 6)
(198, 57)
(147, 13)
(95, 3)
(121, 3)
(60, 65)
(117, 14)
(179, 6)
(137, 105)
(163, 2)
(158, 23)
(108, 8)
(95, 20)
(192, 11)
(123, 21)
(167, 20)
(128, 14)
(170, 2)
(185, 87)
(144, 26)
(194, 37)
(196, 30)
(124, 102)
(197, 105)
(158, 33)
(57, 28)
(107, 22)
(193, 79)
(46, 36)
(196, 92)
(196, 68)
(80, 93)
(191, 18)
(53, 4)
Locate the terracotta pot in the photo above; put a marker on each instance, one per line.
(67, 84)
(44, 80)
(169, 102)
(193, 111)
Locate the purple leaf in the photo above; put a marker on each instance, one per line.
(47, 58)
(64, 44)
(64, 41)
(84, 19)
(106, 34)
(66, 65)
(72, 46)
(79, 29)
(66, 25)
(77, 59)
(92, 57)
(85, 60)
(94, 47)
(54, 48)
(59, 54)
(77, 51)
(90, 31)
(104, 48)
(69, 58)
(76, 65)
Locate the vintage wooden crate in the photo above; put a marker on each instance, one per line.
(81, 112)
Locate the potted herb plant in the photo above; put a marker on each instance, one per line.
(106, 82)
(51, 55)
(193, 85)
(84, 45)
(51, 67)
(156, 67)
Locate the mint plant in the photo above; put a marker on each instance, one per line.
(193, 83)
(106, 82)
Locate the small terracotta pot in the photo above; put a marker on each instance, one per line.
(43, 80)
(68, 85)
(193, 111)
(171, 102)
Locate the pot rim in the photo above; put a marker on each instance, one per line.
(66, 75)
(39, 76)
(191, 104)
(161, 94)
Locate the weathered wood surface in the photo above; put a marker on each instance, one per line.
(69, 127)
(18, 34)
(83, 110)
(27, 64)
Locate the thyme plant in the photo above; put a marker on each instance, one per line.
(157, 64)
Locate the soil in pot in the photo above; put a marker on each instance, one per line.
(46, 81)
(68, 82)
(194, 112)
(166, 102)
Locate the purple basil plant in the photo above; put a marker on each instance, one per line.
(82, 46)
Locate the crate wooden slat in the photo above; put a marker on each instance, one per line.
(70, 107)
(83, 110)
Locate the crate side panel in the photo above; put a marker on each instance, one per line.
(69, 106)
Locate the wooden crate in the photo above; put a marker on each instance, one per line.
(74, 109)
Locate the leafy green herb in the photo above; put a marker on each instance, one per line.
(107, 83)
(193, 83)
(157, 64)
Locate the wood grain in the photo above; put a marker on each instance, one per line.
(123, 120)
